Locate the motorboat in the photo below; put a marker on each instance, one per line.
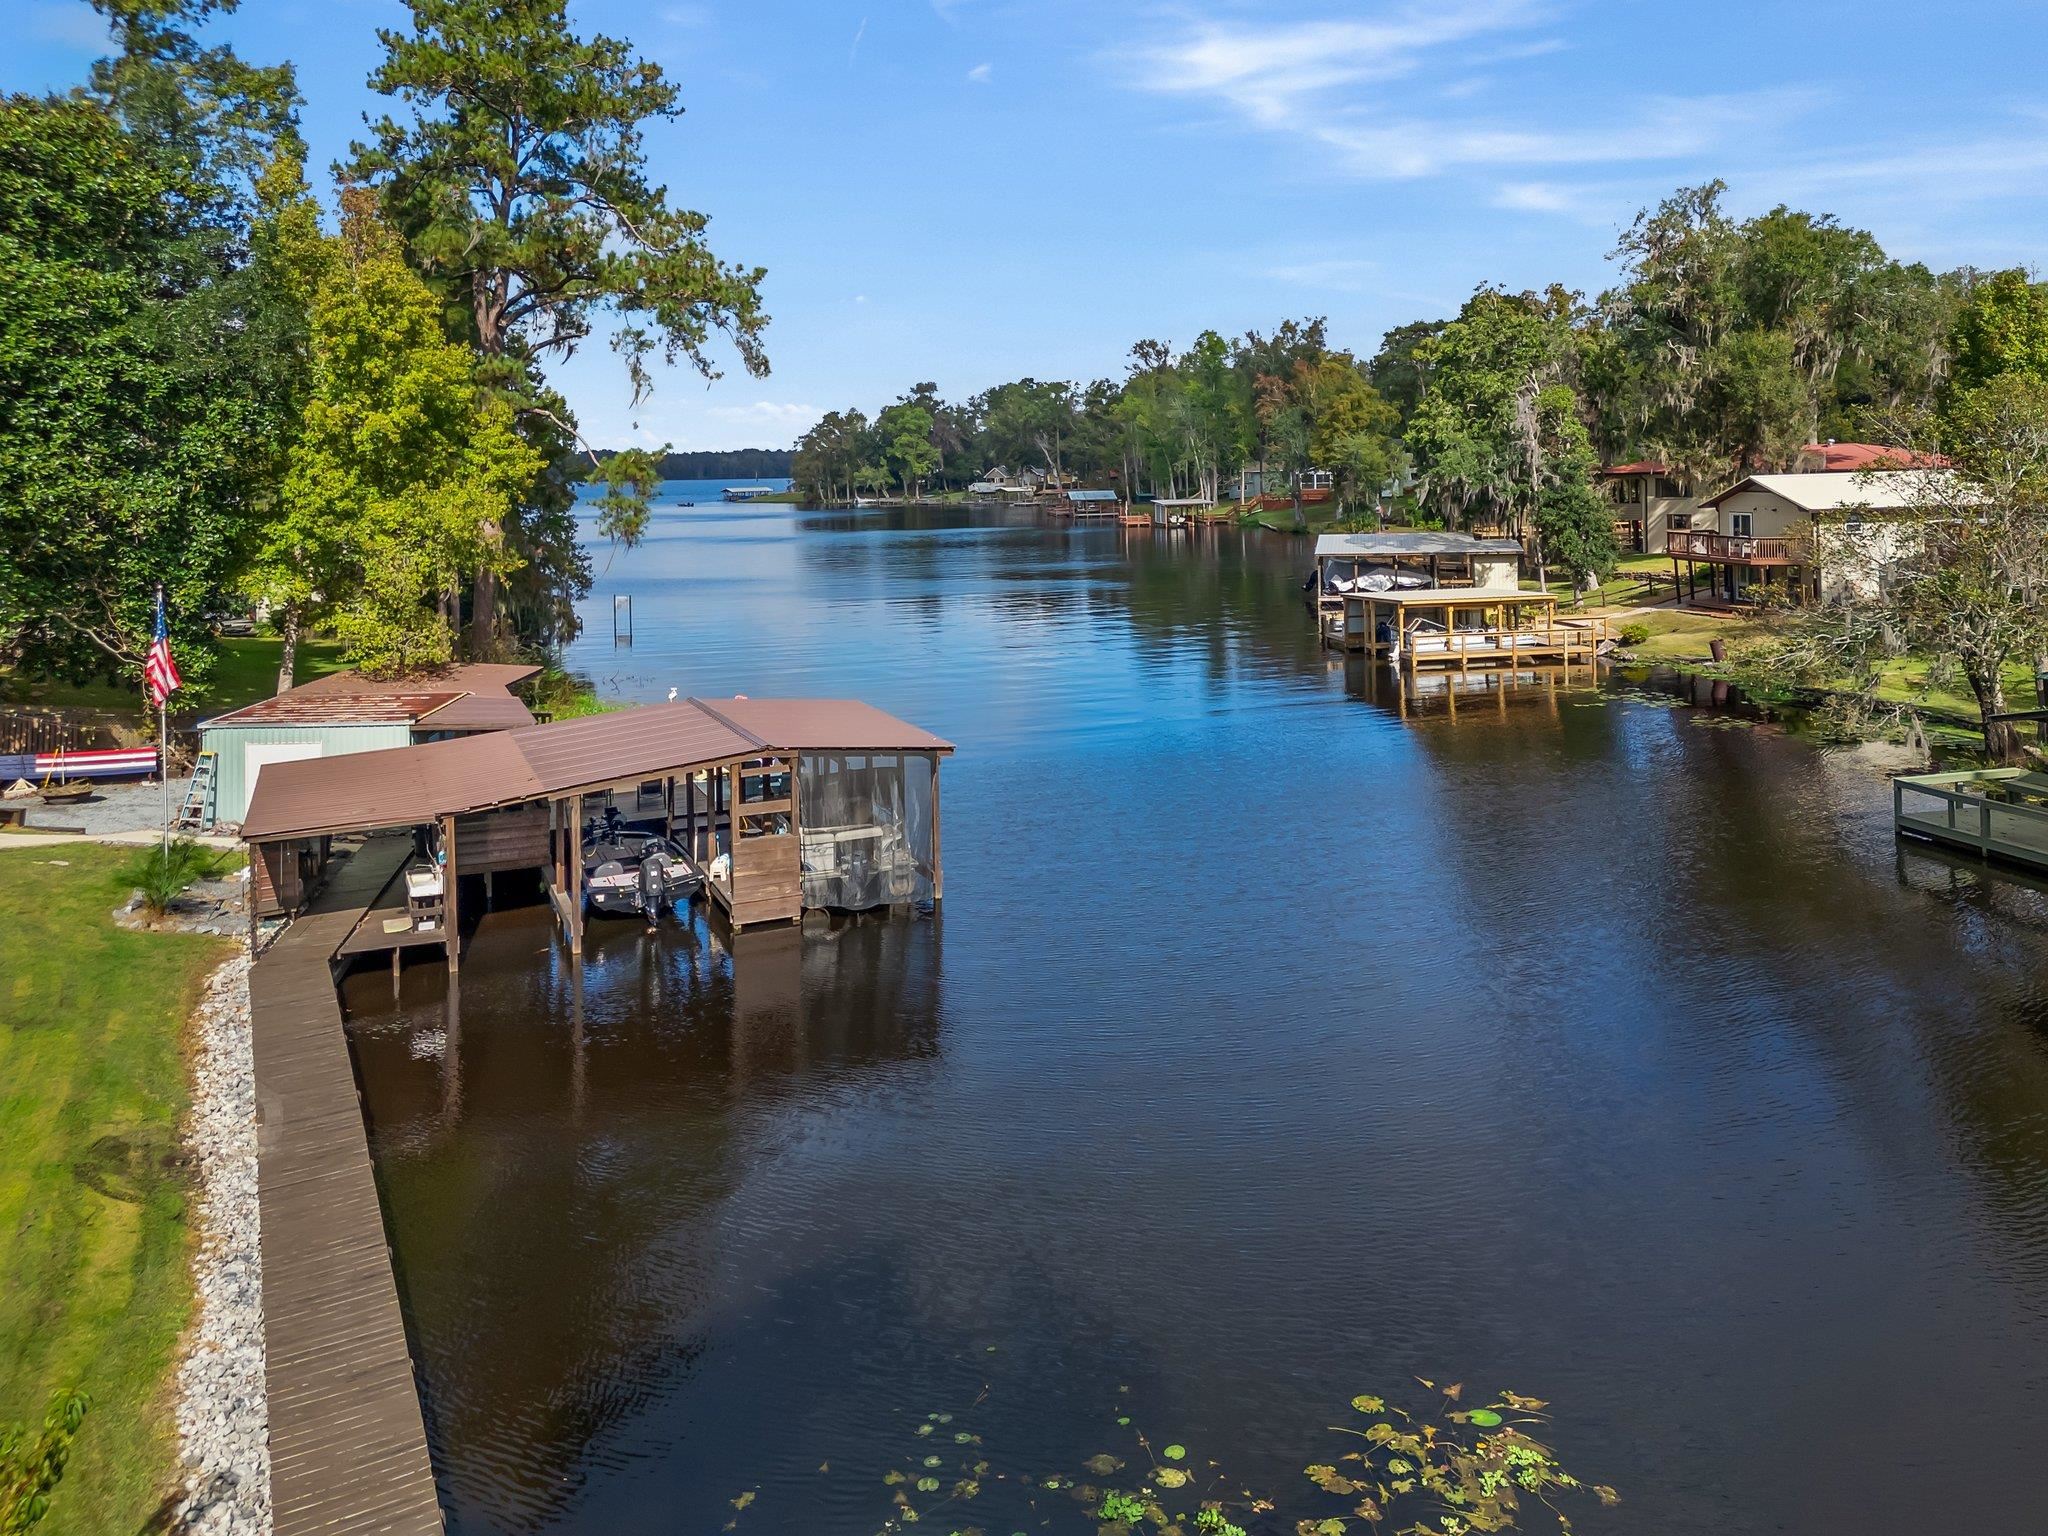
(623, 867)
(1371, 578)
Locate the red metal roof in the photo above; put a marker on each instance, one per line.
(1640, 467)
(298, 708)
(405, 786)
(472, 697)
(1836, 456)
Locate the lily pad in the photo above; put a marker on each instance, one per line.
(1485, 1418)
(1170, 1477)
(927, 1485)
(1175, 1453)
(931, 1461)
(1103, 1464)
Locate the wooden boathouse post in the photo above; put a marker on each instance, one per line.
(573, 849)
(451, 911)
(938, 864)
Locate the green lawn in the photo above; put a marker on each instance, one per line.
(244, 671)
(94, 1281)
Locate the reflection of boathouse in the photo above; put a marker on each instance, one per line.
(780, 805)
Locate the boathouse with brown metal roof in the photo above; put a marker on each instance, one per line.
(780, 805)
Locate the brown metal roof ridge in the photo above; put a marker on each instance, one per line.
(403, 786)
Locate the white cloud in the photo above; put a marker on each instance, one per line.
(981, 72)
(1306, 80)
(1338, 274)
(1266, 70)
(780, 415)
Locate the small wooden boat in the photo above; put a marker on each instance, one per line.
(65, 791)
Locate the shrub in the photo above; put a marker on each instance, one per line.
(162, 873)
(1633, 634)
(31, 1468)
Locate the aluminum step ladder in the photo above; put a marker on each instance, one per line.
(197, 811)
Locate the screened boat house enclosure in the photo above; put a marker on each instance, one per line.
(773, 807)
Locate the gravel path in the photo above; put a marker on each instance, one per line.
(223, 1418)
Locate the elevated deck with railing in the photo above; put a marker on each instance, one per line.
(1734, 548)
(2000, 813)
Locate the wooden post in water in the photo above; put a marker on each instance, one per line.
(938, 864)
(451, 912)
(574, 853)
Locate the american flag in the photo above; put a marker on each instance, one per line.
(159, 672)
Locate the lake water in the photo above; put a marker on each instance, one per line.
(1269, 1047)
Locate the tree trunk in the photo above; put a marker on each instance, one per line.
(288, 658)
(2001, 740)
(483, 618)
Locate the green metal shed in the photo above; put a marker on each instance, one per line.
(346, 713)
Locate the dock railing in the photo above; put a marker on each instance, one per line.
(1957, 808)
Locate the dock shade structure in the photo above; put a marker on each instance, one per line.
(780, 805)
(1440, 559)
(346, 712)
(1467, 627)
(1089, 504)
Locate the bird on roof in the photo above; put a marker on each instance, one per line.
(671, 695)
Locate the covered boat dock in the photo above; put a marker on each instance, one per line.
(1469, 627)
(779, 805)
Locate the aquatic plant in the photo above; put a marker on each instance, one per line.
(1451, 1469)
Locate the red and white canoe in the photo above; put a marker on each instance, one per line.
(108, 763)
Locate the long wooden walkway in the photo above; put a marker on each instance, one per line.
(348, 1448)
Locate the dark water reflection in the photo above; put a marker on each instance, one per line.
(1272, 1047)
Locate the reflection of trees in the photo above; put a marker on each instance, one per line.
(1217, 601)
(1748, 920)
(553, 1180)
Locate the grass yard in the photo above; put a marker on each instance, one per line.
(244, 670)
(94, 1281)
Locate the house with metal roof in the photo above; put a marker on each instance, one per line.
(779, 806)
(1781, 529)
(345, 713)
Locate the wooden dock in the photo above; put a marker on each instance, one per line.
(348, 1445)
(2000, 813)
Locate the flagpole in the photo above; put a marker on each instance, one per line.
(163, 743)
(163, 755)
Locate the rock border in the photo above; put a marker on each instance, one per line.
(223, 1411)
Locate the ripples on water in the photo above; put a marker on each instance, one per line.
(1269, 1048)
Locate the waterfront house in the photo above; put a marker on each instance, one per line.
(346, 713)
(1795, 530)
(1649, 503)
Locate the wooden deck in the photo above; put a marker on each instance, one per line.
(1951, 808)
(348, 1446)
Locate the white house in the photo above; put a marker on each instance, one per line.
(1791, 529)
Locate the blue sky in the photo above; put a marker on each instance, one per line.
(973, 190)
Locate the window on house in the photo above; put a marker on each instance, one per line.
(1738, 524)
